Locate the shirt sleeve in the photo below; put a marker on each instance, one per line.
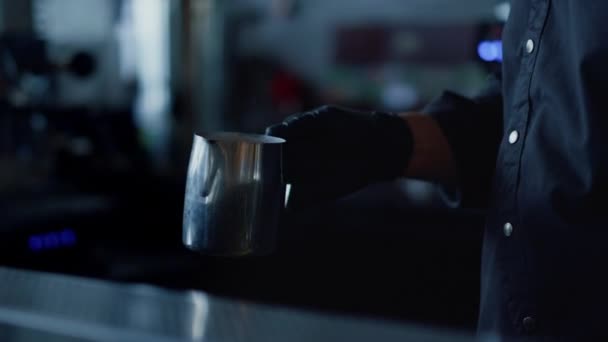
(473, 128)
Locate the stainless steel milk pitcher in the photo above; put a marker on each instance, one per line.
(234, 194)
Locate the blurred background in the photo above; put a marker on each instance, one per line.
(99, 100)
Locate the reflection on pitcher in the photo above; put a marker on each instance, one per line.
(234, 194)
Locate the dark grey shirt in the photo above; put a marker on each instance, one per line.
(533, 150)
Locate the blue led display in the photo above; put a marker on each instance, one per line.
(490, 50)
(52, 240)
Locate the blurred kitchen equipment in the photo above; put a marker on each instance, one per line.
(234, 194)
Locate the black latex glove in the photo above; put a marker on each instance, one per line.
(333, 151)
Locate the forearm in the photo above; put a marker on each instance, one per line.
(431, 157)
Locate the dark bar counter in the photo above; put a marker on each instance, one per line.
(37, 306)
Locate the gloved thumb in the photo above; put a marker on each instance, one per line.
(279, 130)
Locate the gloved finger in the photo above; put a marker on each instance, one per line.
(310, 161)
(307, 195)
(285, 128)
(279, 130)
(330, 121)
(305, 124)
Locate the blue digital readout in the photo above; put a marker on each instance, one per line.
(52, 240)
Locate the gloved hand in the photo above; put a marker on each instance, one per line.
(333, 151)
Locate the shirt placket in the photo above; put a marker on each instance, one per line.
(511, 154)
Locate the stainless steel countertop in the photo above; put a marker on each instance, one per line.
(38, 306)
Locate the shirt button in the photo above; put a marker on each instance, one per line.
(513, 137)
(529, 324)
(508, 229)
(529, 46)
